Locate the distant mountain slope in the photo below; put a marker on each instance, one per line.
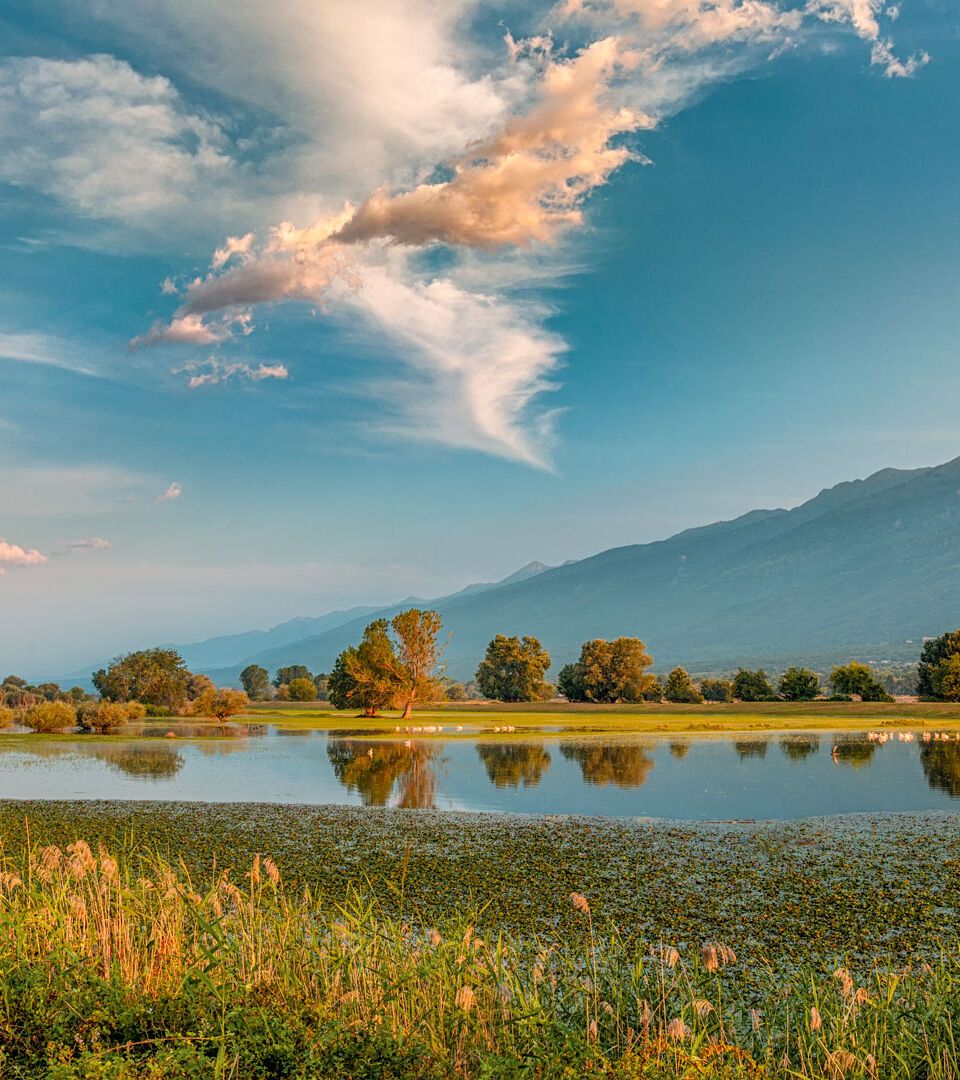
(865, 562)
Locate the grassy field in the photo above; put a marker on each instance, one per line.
(143, 958)
(553, 717)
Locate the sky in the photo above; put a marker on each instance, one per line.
(310, 305)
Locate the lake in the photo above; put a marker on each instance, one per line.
(696, 778)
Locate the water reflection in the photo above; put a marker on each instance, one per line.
(680, 748)
(941, 766)
(150, 762)
(373, 770)
(749, 748)
(513, 764)
(799, 747)
(623, 764)
(853, 750)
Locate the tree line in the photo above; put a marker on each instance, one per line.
(397, 664)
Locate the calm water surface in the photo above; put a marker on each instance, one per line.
(697, 778)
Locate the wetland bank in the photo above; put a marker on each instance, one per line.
(452, 917)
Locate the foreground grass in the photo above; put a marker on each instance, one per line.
(786, 893)
(128, 966)
(551, 717)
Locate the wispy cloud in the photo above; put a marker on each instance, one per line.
(37, 348)
(91, 543)
(174, 491)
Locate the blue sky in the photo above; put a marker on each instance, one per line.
(743, 289)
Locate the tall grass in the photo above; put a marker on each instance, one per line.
(130, 967)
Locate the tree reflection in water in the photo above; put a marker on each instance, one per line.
(747, 748)
(798, 747)
(149, 762)
(513, 764)
(941, 766)
(374, 769)
(680, 748)
(853, 750)
(625, 765)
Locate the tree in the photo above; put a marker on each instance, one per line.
(417, 655)
(196, 685)
(255, 681)
(302, 690)
(288, 674)
(947, 680)
(752, 686)
(857, 679)
(716, 689)
(322, 683)
(680, 689)
(934, 653)
(513, 669)
(363, 676)
(570, 682)
(220, 704)
(799, 684)
(6, 717)
(153, 676)
(608, 671)
(50, 716)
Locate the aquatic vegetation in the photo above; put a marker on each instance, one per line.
(815, 891)
(177, 974)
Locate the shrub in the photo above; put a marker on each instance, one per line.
(102, 716)
(6, 717)
(50, 716)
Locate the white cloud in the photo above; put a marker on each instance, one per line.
(174, 491)
(549, 127)
(479, 364)
(15, 555)
(213, 371)
(190, 329)
(105, 140)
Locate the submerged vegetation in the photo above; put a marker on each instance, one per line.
(170, 973)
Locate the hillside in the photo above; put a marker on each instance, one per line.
(867, 564)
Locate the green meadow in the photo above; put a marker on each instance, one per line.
(660, 718)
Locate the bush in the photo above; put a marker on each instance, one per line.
(103, 716)
(6, 717)
(50, 716)
(157, 710)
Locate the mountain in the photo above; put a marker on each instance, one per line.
(866, 565)
(226, 656)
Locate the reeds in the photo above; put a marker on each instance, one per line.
(157, 968)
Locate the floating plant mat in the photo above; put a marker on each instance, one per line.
(860, 886)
